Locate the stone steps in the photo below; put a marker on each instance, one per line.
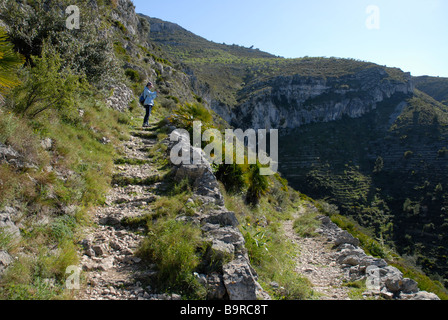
(113, 270)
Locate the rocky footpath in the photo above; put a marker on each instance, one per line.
(382, 280)
(111, 270)
(316, 261)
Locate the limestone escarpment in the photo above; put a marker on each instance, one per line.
(293, 101)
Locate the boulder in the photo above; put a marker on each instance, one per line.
(368, 261)
(6, 222)
(229, 235)
(409, 286)
(345, 237)
(47, 144)
(423, 295)
(216, 289)
(350, 256)
(222, 218)
(239, 281)
(7, 153)
(5, 259)
(221, 251)
(351, 260)
(391, 278)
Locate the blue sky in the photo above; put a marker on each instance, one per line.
(409, 34)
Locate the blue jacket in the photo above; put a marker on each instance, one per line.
(149, 97)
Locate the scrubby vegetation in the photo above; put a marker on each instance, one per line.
(53, 114)
(57, 121)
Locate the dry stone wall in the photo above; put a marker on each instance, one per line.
(235, 279)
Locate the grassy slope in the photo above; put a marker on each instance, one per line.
(54, 195)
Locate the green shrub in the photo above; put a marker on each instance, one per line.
(84, 51)
(408, 154)
(185, 115)
(256, 242)
(172, 246)
(120, 26)
(10, 61)
(306, 224)
(46, 86)
(39, 277)
(62, 227)
(133, 75)
(119, 49)
(231, 176)
(369, 244)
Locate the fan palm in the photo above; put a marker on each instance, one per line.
(258, 184)
(10, 61)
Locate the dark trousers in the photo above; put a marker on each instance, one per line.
(148, 113)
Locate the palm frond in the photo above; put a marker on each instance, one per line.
(10, 61)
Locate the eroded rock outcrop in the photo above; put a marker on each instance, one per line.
(293, 101)
(120, 98)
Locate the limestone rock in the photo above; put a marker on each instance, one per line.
(121, 97)
(216, 289)
(222, 217)
(345, 237)
(239, 280)
(381, 279)
(423, 295)
(106, 264)
(409, 286)
(6, 222)
(394, 281)
(5, 259)
(7, 153)
(221, 251)
(47, 143)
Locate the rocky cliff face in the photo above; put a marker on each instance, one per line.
(290, 102)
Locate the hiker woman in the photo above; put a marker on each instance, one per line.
(148, 103)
